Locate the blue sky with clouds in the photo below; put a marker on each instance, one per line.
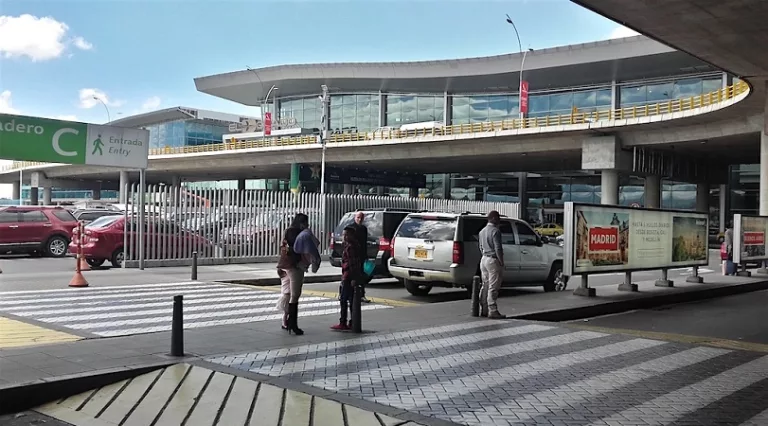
(143, 54)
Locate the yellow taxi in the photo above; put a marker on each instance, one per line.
(549, 230)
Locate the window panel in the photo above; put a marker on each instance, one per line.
(538, 104)
(561, 101)
(585, 99)
(603, 97)
(660, 92)
(712, 84)
(686, 88)
(633, 95)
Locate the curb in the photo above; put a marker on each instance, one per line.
(19, 397)
(308, 279)
(645, 302)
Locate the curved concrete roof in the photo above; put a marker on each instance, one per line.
(600, 62)
(174, 113)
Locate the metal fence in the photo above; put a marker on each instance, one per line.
(239, 226)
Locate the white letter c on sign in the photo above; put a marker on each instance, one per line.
(57, 147)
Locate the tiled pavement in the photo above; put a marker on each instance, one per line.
(515, 372)
(125, 310)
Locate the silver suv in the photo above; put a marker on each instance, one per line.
(441, 249)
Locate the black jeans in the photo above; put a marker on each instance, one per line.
(346, 292)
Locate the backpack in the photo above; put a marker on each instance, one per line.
(288, 257)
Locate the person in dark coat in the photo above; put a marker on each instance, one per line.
(351, 272)
(361, 234)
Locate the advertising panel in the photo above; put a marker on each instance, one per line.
(614, 238)
(524, 97)
(749, 238)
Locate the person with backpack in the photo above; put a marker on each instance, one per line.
(298, 251)
(351, 272)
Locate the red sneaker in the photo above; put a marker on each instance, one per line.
(340, 326)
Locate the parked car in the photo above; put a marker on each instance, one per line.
(103, 239)
(245, 237)
(549, 230)
(381, 224)
(89, 215)
(441, 250)
(36, 230)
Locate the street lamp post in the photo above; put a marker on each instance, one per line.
(109, 118)
(264, 104)
(522, 65)
(323, 134)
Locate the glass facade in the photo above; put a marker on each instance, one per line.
(406, 109)
(354, 113)
(562, 103)
(478, 108)
(306, 111)
(174, 134)
(651, 93)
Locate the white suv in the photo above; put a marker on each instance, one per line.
(441, 249)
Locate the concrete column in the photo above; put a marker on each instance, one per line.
(123, 191)
(447, 115)
(652, 191)
(447, 186)
(382, 109)
(349, 189)
(295, 183)
(413, 192)
(274, 185)
(615, 95)
(380, 190)
(522, 193)
(241, 184)
(175, 180)
(702, 197)
(723, 204)
(764, 171)
(47, 195)
(33, 196)
(96, 193)
(16, 193)
(609, 187)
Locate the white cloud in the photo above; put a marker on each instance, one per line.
(6, 103)
(89, 98)
(66, 117)
(39, 39)
(622, 31)
(82, 43)
(151, 104)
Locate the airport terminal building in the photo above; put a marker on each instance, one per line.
(628, 121)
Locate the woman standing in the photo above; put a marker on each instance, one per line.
(298, 252)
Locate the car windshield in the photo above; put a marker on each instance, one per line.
(428, 228)
(103, 221)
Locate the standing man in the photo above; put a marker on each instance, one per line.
(361, 232)
(491, 265)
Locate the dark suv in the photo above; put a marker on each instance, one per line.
(381, 224)
(35, 229)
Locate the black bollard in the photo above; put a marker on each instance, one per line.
(177, 327)
(194, 266)
(476, 284)
(357, 308)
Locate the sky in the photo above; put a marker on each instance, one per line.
(137, 56)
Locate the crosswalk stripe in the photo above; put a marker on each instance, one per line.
(392, 372)
(478, 382)
(310, 364)
(319, 347)
(157, 302)
(34, 293)
(231, 321)
(759, 420)
(166, 318)
(119, 296)
(706, 391)
(564, 397)
(89, 316)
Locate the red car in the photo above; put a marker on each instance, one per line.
(103, 240)
(36, 229)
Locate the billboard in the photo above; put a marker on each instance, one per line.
(67, 142)
(623, 239)
(749, 238)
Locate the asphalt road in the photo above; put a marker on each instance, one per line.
(742, 318)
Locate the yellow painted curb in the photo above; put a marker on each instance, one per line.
(14, 334)
(680, 338)
(333, 295)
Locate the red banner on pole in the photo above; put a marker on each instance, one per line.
(267, 123)
(524, 97)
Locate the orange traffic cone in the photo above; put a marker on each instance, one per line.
(78, 280)
(84, 266)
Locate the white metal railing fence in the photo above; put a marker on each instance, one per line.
(238, 226)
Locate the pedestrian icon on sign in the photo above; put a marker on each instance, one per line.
(97, 144)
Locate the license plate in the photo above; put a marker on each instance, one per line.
(420, 253)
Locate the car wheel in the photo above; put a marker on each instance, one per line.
(56, 246)
(556, 281)
(555, 234)
(95, 262)
(417, 288)
(117, 258)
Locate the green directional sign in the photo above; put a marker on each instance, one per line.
(56, 141)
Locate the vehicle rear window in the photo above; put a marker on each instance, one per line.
(64, 216)
(370, 222)
(103, 221)
(427, 228)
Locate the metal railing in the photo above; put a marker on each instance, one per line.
(575, 117)
(238, 226)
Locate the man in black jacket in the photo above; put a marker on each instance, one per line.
(361, 232)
